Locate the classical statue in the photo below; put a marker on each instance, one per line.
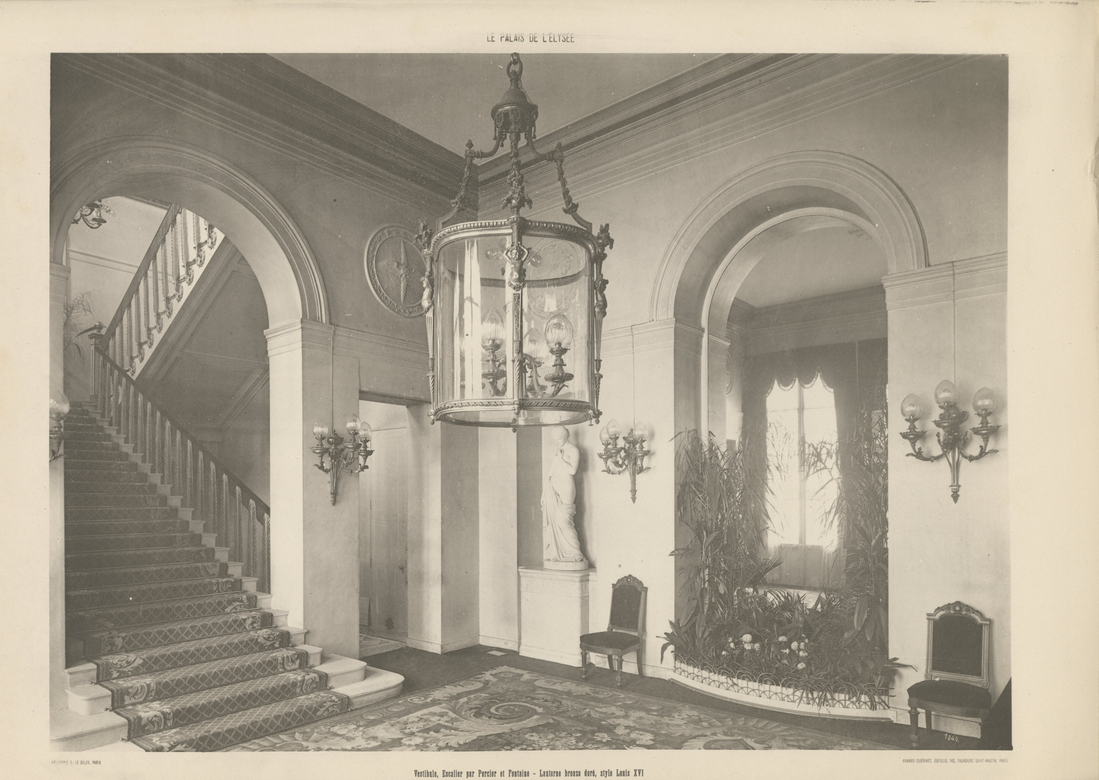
(560, 543)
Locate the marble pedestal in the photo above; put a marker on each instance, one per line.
(553, 610)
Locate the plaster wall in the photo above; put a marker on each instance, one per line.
(948, 322)
(498, 537)
(922, 133)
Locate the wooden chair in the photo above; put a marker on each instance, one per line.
(956, 681)
(625, 632)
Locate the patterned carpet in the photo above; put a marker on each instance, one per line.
(512, 709)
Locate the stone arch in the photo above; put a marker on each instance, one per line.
(250, 216)
(828, 182)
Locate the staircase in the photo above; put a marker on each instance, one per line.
(169, 647)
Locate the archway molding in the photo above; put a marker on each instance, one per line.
(247, 213)
(828, 182)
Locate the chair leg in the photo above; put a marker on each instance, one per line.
(583, 664)
(914, 718)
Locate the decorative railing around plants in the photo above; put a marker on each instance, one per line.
(218, 497)
(844, 702)
(175, 259)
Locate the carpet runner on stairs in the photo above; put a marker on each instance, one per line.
(190, 660)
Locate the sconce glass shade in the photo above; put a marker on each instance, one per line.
(911, 408)
(641, 430)
(945, 393)
(984, 401)
(320, 429)
(555, 298)
(353, 424)
(59, 405)
(605, 435)
(365, 431)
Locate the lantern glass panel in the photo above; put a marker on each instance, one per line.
(494, 362)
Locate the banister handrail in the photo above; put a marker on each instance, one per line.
(143, 269)
(210, 458)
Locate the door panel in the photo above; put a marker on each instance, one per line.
(383, 562)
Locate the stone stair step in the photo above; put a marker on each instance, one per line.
(136, 614)
(115, 542)
(249, 724)
(145, 575)
(112, 527)
(119, 500)
(152, 717)
(149, 556)
(173, 631)
(89, 598)
(138, 485)
(80, 514)
(200, 677)
(146, 661)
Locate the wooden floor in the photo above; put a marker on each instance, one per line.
(423, 670)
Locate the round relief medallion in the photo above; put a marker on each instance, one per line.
(395, 270)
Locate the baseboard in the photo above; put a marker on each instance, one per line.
(503, 644)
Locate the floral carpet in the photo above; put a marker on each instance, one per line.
(511, 709)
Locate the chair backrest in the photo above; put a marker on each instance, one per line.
(957, 644)
(628, 605)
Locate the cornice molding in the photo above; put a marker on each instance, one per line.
(259, 98)
(969, 278)
(979, 276)
(637, 138)
(852, 315)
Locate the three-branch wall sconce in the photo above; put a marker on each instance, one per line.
(951, 437)
(624, 453)
(350, 456)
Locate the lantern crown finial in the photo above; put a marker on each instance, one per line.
(519, 302)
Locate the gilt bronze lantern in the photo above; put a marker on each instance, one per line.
(514, 307)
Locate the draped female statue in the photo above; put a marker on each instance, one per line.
(560, 543)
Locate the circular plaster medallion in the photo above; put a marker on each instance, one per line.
(395, 270)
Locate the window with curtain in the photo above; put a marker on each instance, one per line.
(800, 411)
(801, 419)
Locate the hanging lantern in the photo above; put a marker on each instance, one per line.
(514, 307)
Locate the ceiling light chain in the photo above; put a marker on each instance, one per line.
(513, 295)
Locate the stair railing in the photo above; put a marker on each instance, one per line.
(238, 516)
(175, 258)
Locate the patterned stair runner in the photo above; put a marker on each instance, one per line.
(189, 660)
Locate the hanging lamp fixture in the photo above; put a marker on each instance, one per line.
(514, 307)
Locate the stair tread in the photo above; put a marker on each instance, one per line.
(167, 683)
(163, 714)
(82, 591)
(146, 613)
(180, 654)
(227, 730)
(168, 624)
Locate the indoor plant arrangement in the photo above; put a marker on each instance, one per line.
(830, 652)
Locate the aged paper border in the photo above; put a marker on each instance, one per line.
(1053, 303)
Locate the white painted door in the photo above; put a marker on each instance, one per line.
(383, 552)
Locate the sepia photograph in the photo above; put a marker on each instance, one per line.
(494, 402)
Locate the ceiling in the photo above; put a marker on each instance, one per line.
(814, 262)
(447, 97)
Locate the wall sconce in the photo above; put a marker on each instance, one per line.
(627, 455)
(952, 439)
(91, 214)
(350, 456)
(59, 407)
